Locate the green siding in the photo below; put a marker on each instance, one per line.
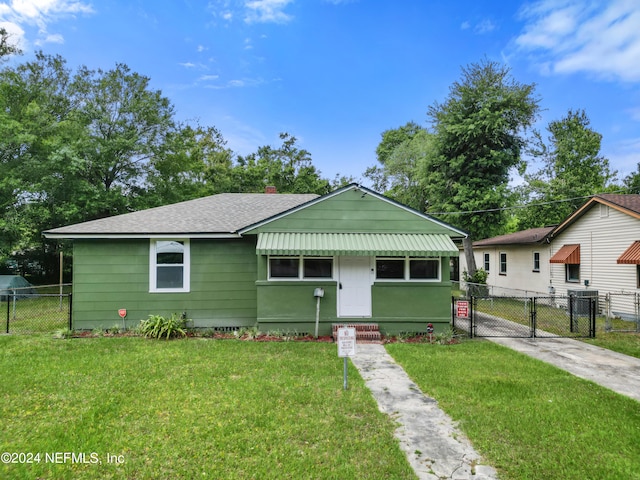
(400, 307)
(112, 274)
(396, 306)
(351, 212)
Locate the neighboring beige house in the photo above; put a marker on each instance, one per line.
(596, 248)
(516, 261)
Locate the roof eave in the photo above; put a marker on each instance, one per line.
(79, 236)
(353, 186)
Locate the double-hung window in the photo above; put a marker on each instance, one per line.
(487, 262)
(536, 261)
(503, 263)
(169, 266)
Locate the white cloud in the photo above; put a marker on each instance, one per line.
(208, 78)
(266, 11)
(40, 13)
(480, 28)
(570, 36)
(485, 26)
(624, 155)
(16, 33)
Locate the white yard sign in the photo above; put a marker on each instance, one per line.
(346, 342)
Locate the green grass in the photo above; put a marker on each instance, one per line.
(626, 343)
(190, 409)
(40, 314)
(528, 419)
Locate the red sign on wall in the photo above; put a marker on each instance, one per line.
(462, 309)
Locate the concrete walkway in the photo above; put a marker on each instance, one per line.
(435, 448)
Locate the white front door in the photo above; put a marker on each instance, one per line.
(354, 287)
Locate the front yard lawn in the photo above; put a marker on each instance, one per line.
(136, 408)
(527, 418)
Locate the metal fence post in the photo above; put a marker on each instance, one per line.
(8, 310)
(533, 314)
(453, 312)
(70, 315)
(471, 314)
(592, 318)
(637, 299)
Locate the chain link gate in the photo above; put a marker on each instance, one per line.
(527, 317)
(622, 312)
(34, 312)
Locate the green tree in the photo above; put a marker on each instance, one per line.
(7, 48)
(572, 169)
(127, 125)
(402, 155)
(195, 163)
(288, 168)
(35, 134)
(73, 148)
(479, 133)
(632, 181)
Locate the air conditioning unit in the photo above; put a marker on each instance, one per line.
(581, 300)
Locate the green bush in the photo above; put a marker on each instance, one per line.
(157, 326)
(476, 283)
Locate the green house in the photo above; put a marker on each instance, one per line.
(233, 260)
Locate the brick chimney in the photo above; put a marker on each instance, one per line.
(270, 189)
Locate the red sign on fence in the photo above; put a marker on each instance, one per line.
(462, 309)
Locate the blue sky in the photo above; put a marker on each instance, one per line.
(337, 73)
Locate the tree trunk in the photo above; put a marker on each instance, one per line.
(467, 244)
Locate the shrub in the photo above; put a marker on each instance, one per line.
(157, 326)
(476, 283)
(63, 333)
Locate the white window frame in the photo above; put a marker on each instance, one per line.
(486, 261)
(301, 277)
(502, 271)
(153, 266)
(407, 269)
(536, 259)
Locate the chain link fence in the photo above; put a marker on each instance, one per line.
(42, 309)
(622, 312)
(502, 312)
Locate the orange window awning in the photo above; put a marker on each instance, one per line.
(631, 255)
(567, 254)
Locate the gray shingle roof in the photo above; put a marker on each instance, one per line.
(223, 213)
(533, 235)
(630, 202)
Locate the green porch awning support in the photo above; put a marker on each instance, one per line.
(356, 244)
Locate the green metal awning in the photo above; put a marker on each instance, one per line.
(357, 244)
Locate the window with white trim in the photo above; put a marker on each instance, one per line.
(503, 263)
(536, 261)
(169, 266)
(487, 262)
(300, 268)
(408, 268)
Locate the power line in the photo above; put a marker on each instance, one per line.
(518, 206)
